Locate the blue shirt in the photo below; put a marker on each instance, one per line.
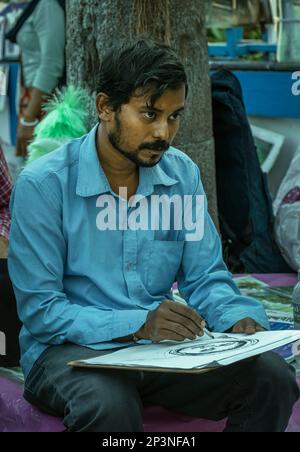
(76, 283)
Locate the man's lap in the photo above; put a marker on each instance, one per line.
(52, 385)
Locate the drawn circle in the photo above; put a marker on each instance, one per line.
(212, 347)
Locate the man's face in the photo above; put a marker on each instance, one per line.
(142, 133)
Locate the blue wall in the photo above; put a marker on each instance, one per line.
(269, 93)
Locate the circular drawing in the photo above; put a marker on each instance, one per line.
(213, 346)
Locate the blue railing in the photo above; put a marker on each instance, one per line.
(236, 46)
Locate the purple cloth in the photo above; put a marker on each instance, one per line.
(16, 415)
(276, 279)
(273, 279)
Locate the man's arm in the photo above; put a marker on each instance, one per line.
(32, 112)
(37, 256)
(205, 283)
(170, 321)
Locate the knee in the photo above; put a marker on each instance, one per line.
(114, 414)
(272, 372)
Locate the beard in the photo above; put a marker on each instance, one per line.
(115, 139)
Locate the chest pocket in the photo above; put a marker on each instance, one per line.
(163, 264)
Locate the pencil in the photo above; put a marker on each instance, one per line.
(208, 333)
(178, 299)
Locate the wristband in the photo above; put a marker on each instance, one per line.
(25, 123)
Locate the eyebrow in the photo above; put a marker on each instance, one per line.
(148, 107)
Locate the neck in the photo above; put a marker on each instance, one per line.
(113, 163)
(119, 171)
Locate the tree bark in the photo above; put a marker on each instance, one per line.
(94, 25)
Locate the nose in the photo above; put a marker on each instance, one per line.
(161, 131)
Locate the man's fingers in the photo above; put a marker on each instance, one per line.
(188, 313)
(184, 321)
(246, 326)
(238, 328)
(174, 321)
(250, 329)
(167, 335)
(179, 329)
(259, 328)
(249, 326)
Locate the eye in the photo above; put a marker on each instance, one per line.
(149, 114)
(176, 116)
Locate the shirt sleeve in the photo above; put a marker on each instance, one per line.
(204, 280)
(37, 256)
(49, 24)
(5, 191)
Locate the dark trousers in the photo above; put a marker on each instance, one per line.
(256, 395)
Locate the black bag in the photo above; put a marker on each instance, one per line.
(10, 324)
(244, 202)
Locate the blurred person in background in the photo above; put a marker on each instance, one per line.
(40, 33)
(10, 325)
(5, 191)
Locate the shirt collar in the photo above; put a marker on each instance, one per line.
(149, 177)
(92, 180)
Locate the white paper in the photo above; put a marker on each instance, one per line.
(223, 350)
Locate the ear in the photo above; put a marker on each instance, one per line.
(105, 112)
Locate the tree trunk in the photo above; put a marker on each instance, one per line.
(94, 25)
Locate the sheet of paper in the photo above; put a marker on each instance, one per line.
(224, 349)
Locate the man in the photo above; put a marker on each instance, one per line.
(5, 190)
(91, 274)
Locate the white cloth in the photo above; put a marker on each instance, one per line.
(287, 212)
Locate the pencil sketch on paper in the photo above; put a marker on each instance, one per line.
(224, 349)
(213, 347)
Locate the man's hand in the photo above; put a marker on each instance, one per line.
(24, 137)
(172, 321)
(3, 247)
(246, 326)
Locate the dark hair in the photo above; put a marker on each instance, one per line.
(143, 64)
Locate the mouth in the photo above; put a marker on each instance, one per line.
(155, 151)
